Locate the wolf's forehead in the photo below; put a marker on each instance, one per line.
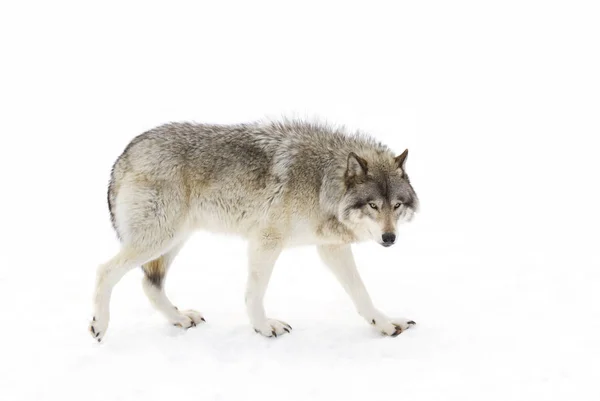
(392, 187)
(385, 182)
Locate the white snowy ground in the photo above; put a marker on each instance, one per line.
(498, 104)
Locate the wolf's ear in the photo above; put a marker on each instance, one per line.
(357, 166)
(401, 160)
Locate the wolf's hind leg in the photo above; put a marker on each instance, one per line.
(108, 275)
(153, 283)
(262, 254)
(150, 217)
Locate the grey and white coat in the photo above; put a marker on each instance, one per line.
(277, 184)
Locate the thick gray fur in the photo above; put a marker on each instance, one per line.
(278, 184)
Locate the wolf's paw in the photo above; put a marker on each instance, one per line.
(97, 328)
(188, 318)
(273, 328)
(392, 327)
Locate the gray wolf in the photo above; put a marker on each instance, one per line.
(277, 184)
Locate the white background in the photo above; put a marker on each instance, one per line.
(498, 103)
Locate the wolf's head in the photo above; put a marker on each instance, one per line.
(378, 197)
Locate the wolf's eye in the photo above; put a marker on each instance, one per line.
(373, 206)
(397, 205)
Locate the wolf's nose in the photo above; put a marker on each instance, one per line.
(388, 238)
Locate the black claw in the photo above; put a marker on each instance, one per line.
(204, 320)
(94, 319)
(411, 322)
(398, 330)
(193, 324)
(97, 334)
(92, 329)
(286, 329)
(256, 330)
(98, 340)
(395, 333)
(373, 322)
(274, 333)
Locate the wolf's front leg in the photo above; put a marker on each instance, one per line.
(340, 260)
(262, 254)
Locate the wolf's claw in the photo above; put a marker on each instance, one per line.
(392, 327)
(273, 328)
(188, 318)
(97, 328)
(398, 331)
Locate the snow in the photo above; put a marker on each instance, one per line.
(498, 104)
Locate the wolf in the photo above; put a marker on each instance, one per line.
(277, 184)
